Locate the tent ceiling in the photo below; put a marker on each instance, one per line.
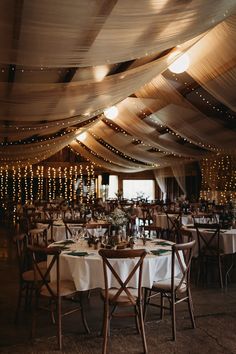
(62, 63)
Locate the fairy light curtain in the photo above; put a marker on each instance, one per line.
(218, 178)
(27, 184)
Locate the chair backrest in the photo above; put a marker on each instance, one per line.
(208, 236)
(174, 223)
(185, 235)
(182, 253)
(151, 228)
(205, 218)
(123, 284)
(23, 257)
(97, 226)
(41, 277)
(24, 225)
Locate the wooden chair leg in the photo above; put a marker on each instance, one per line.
(190, 307)
(146, 300)
(21, 289)
(84, 320)
(137, 320)
(173, 316)
(162, 306)
(59, 335)
(141, 322)
(34, 316)
(105, 329)
(26, 296)
(220, 272)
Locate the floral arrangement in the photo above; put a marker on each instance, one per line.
(118, 217)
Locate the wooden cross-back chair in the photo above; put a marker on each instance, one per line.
(151, 229)
(53, 289)
(97, 226)
(70, 225)
(209, 250)
(185, 235)
(174, 226)
(146, 218)
(177, 288)
(205, 218)
(123, 295)
(26, 273)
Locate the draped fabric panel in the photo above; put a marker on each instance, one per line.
(217, 73)
(59, 33)
(180, 176)
(63, 63)
(160, 179)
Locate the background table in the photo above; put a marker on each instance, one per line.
(227, 240)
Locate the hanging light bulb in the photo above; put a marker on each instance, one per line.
(111, 112)
(179, 65)
(82, 136)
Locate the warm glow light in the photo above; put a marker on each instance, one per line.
(111, 112)
(179, 65)
(100, 72)
(82, 136)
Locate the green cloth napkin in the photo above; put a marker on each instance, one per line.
(78, 254)
(162, 243)
(159, 252)
(62, 246)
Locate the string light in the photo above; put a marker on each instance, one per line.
(71, 184)
(75, 180)
(1, 184)
(92, 184)
(31, 184)
(60, 181)
(54, 184)
(66, 183)
(26, 184)
(42, 182)
(218, 178)
(13, 184)
(81, 183)
(19, 195)
(88, 184)
(49, 184)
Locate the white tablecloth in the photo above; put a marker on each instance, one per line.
(227, 241)
(59, 231)
(161, 221)
(87, 272)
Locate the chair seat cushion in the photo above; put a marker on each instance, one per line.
(67, 287)
(123, 297)
(29, 274)
(165, 285)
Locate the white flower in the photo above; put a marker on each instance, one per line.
(118, 217)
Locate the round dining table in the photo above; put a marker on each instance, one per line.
(83, 265)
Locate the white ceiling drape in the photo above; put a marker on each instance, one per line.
(62, 63)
